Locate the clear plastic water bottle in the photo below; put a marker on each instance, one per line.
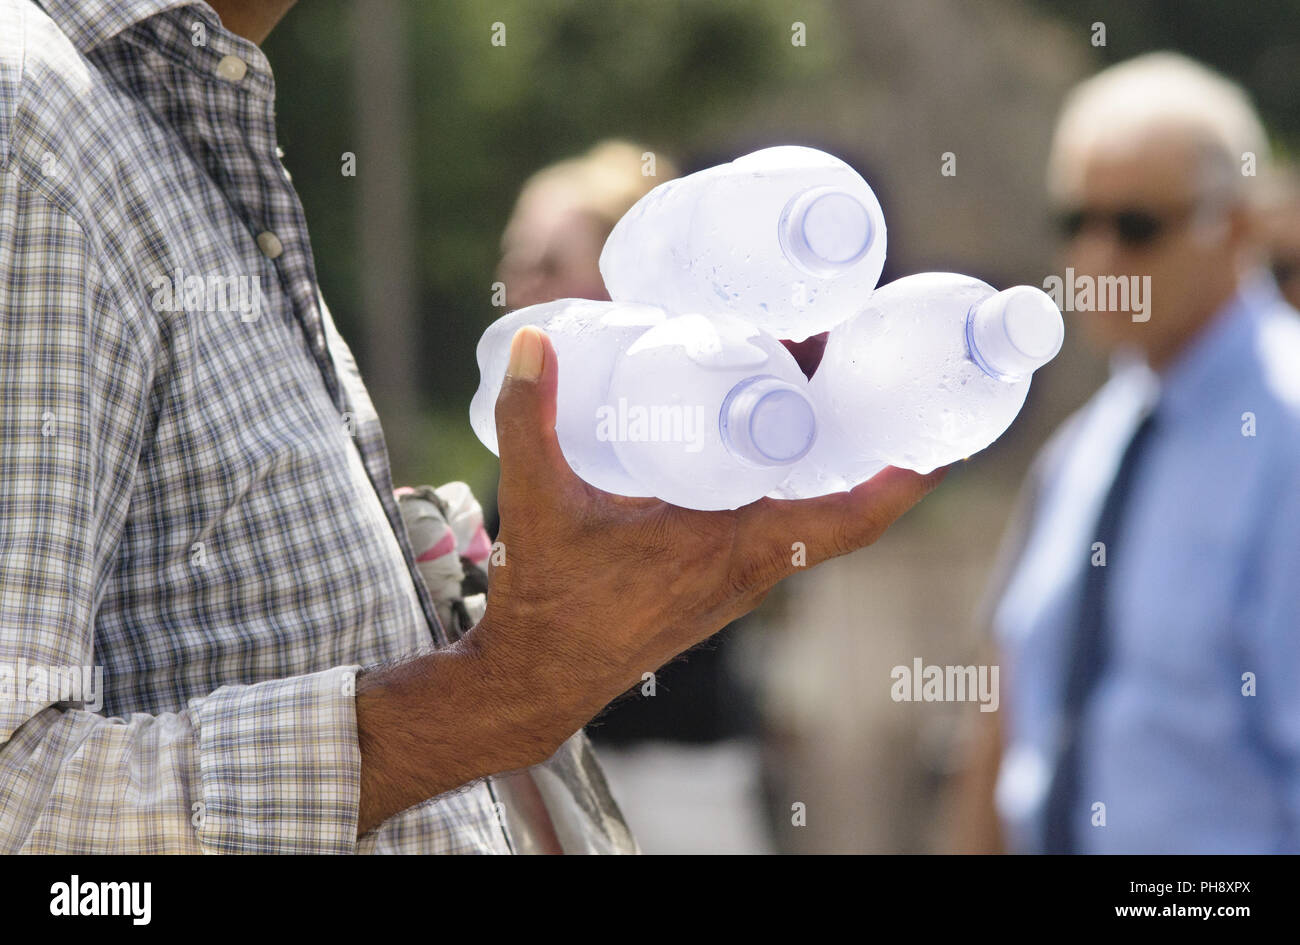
(933, 369)
(705, 413)
(709, 413)
(790, 238)
(588, 338)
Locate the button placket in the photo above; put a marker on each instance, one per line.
(268, 219)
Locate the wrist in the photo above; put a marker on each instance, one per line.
(513, 693)
(438, 722)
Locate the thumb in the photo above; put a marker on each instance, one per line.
(525, 413)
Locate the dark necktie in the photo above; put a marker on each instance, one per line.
(1087, 652)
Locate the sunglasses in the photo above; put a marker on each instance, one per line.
(1134, 228)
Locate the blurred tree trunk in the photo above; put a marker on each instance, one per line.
(385, 224)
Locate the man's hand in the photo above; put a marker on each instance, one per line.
(595, 590)
(598, 589)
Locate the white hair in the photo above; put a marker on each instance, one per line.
(1167, 92)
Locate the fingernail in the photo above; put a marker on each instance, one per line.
(526, 354)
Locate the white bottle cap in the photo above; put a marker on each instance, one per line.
(1015, 332)
(767, 421)
(825, 231)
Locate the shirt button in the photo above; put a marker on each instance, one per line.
(232, 68)
(269, 244)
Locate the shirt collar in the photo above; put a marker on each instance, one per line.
(89, 23)
(1214, 359)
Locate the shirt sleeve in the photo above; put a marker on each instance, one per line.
(272, 767)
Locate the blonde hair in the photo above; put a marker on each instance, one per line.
(1163, 91)
(603, 183)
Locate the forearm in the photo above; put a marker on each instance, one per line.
(445, 719)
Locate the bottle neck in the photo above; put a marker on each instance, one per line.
(1014, 332)
(825, 231)
(766, 421)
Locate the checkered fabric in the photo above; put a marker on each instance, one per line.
(194, 488)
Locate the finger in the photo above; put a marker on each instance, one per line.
(525, 414)
(837, 524)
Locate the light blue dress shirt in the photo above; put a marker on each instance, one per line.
(1204, 601)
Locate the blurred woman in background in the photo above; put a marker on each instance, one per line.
(551, 246)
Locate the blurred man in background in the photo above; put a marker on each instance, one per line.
(1149, 623)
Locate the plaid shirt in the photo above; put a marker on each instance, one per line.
(194, 489)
